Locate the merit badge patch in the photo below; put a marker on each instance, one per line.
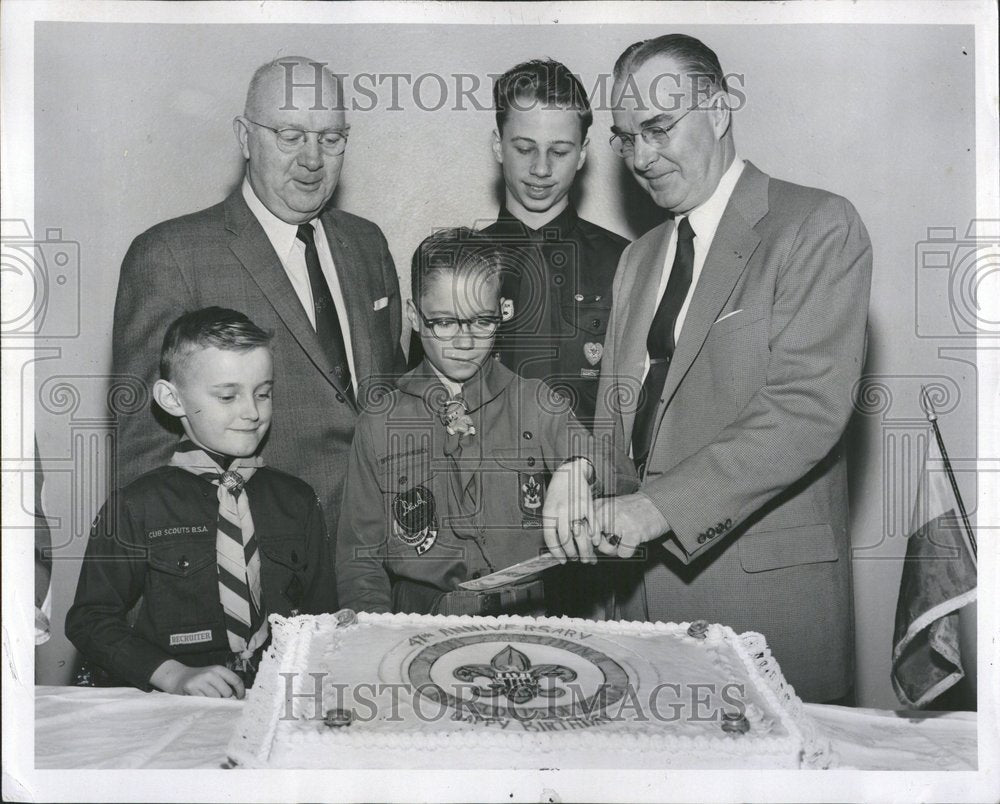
(593, 352)
(506, 309)
(414, 520)
(532, 494)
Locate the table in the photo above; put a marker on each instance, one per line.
(83, 727)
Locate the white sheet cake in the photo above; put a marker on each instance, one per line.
(393, 691)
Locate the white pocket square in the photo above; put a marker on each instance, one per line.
(728, 315)
(378, 304)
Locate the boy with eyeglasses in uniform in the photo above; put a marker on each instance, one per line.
(448, 471)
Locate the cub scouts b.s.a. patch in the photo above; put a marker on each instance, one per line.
(414, 520)
(532, 494)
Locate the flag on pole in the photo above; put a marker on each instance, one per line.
(939, 578)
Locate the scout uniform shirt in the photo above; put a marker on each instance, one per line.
(155, 541)
(435, 509)
(557, 291)
(557, 283)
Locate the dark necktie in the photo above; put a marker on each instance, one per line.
(660, 342)
(327, 321)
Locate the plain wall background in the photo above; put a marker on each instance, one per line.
(133, 126)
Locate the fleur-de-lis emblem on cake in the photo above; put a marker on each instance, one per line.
(511, 675)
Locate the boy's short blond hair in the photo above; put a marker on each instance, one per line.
(210, 326)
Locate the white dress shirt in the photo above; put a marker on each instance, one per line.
(704, 221)
(292, 253)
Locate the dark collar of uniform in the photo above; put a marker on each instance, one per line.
(487, 384)
(563, 223)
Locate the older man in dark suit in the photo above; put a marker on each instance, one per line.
(736, 336)
(320, 278)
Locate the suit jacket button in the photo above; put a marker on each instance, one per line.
(729, 523)
(530, 461)
(720, 528)
(340, 398)
(702, 538)
(476, 576)
(183, 563)
(402, 480)
(711, 533)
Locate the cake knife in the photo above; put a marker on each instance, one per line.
(511, 574)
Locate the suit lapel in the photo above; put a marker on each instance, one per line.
(355, 285)
(252, 248)
(734, 243)
(631, 331)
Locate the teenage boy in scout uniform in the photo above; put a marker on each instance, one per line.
(209, 545)
(559, 267)
(448, 473)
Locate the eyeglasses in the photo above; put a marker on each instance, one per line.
(444, 329)
(623, 142)
(332, 141)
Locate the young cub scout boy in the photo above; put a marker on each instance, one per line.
(448, 472)
(209, 545)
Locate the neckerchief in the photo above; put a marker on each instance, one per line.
(237, 556)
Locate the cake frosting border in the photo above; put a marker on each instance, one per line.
(253, 740)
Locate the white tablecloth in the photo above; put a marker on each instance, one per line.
(78, 727)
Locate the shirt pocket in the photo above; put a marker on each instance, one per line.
(182, 587)
(587, 317)
(519, 484)
(284, 566)
(410, 504)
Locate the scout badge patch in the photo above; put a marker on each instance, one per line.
(532, 494)
(593, 352)
(506, 309)
(414, 521)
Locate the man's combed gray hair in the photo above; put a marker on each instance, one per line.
(696, 58)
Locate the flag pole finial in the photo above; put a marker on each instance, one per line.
(927, 405)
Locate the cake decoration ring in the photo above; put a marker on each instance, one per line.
(336, 718)
(346, 617)
(735, 723)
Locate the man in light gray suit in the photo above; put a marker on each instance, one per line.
(742, 320)
(320, 278)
